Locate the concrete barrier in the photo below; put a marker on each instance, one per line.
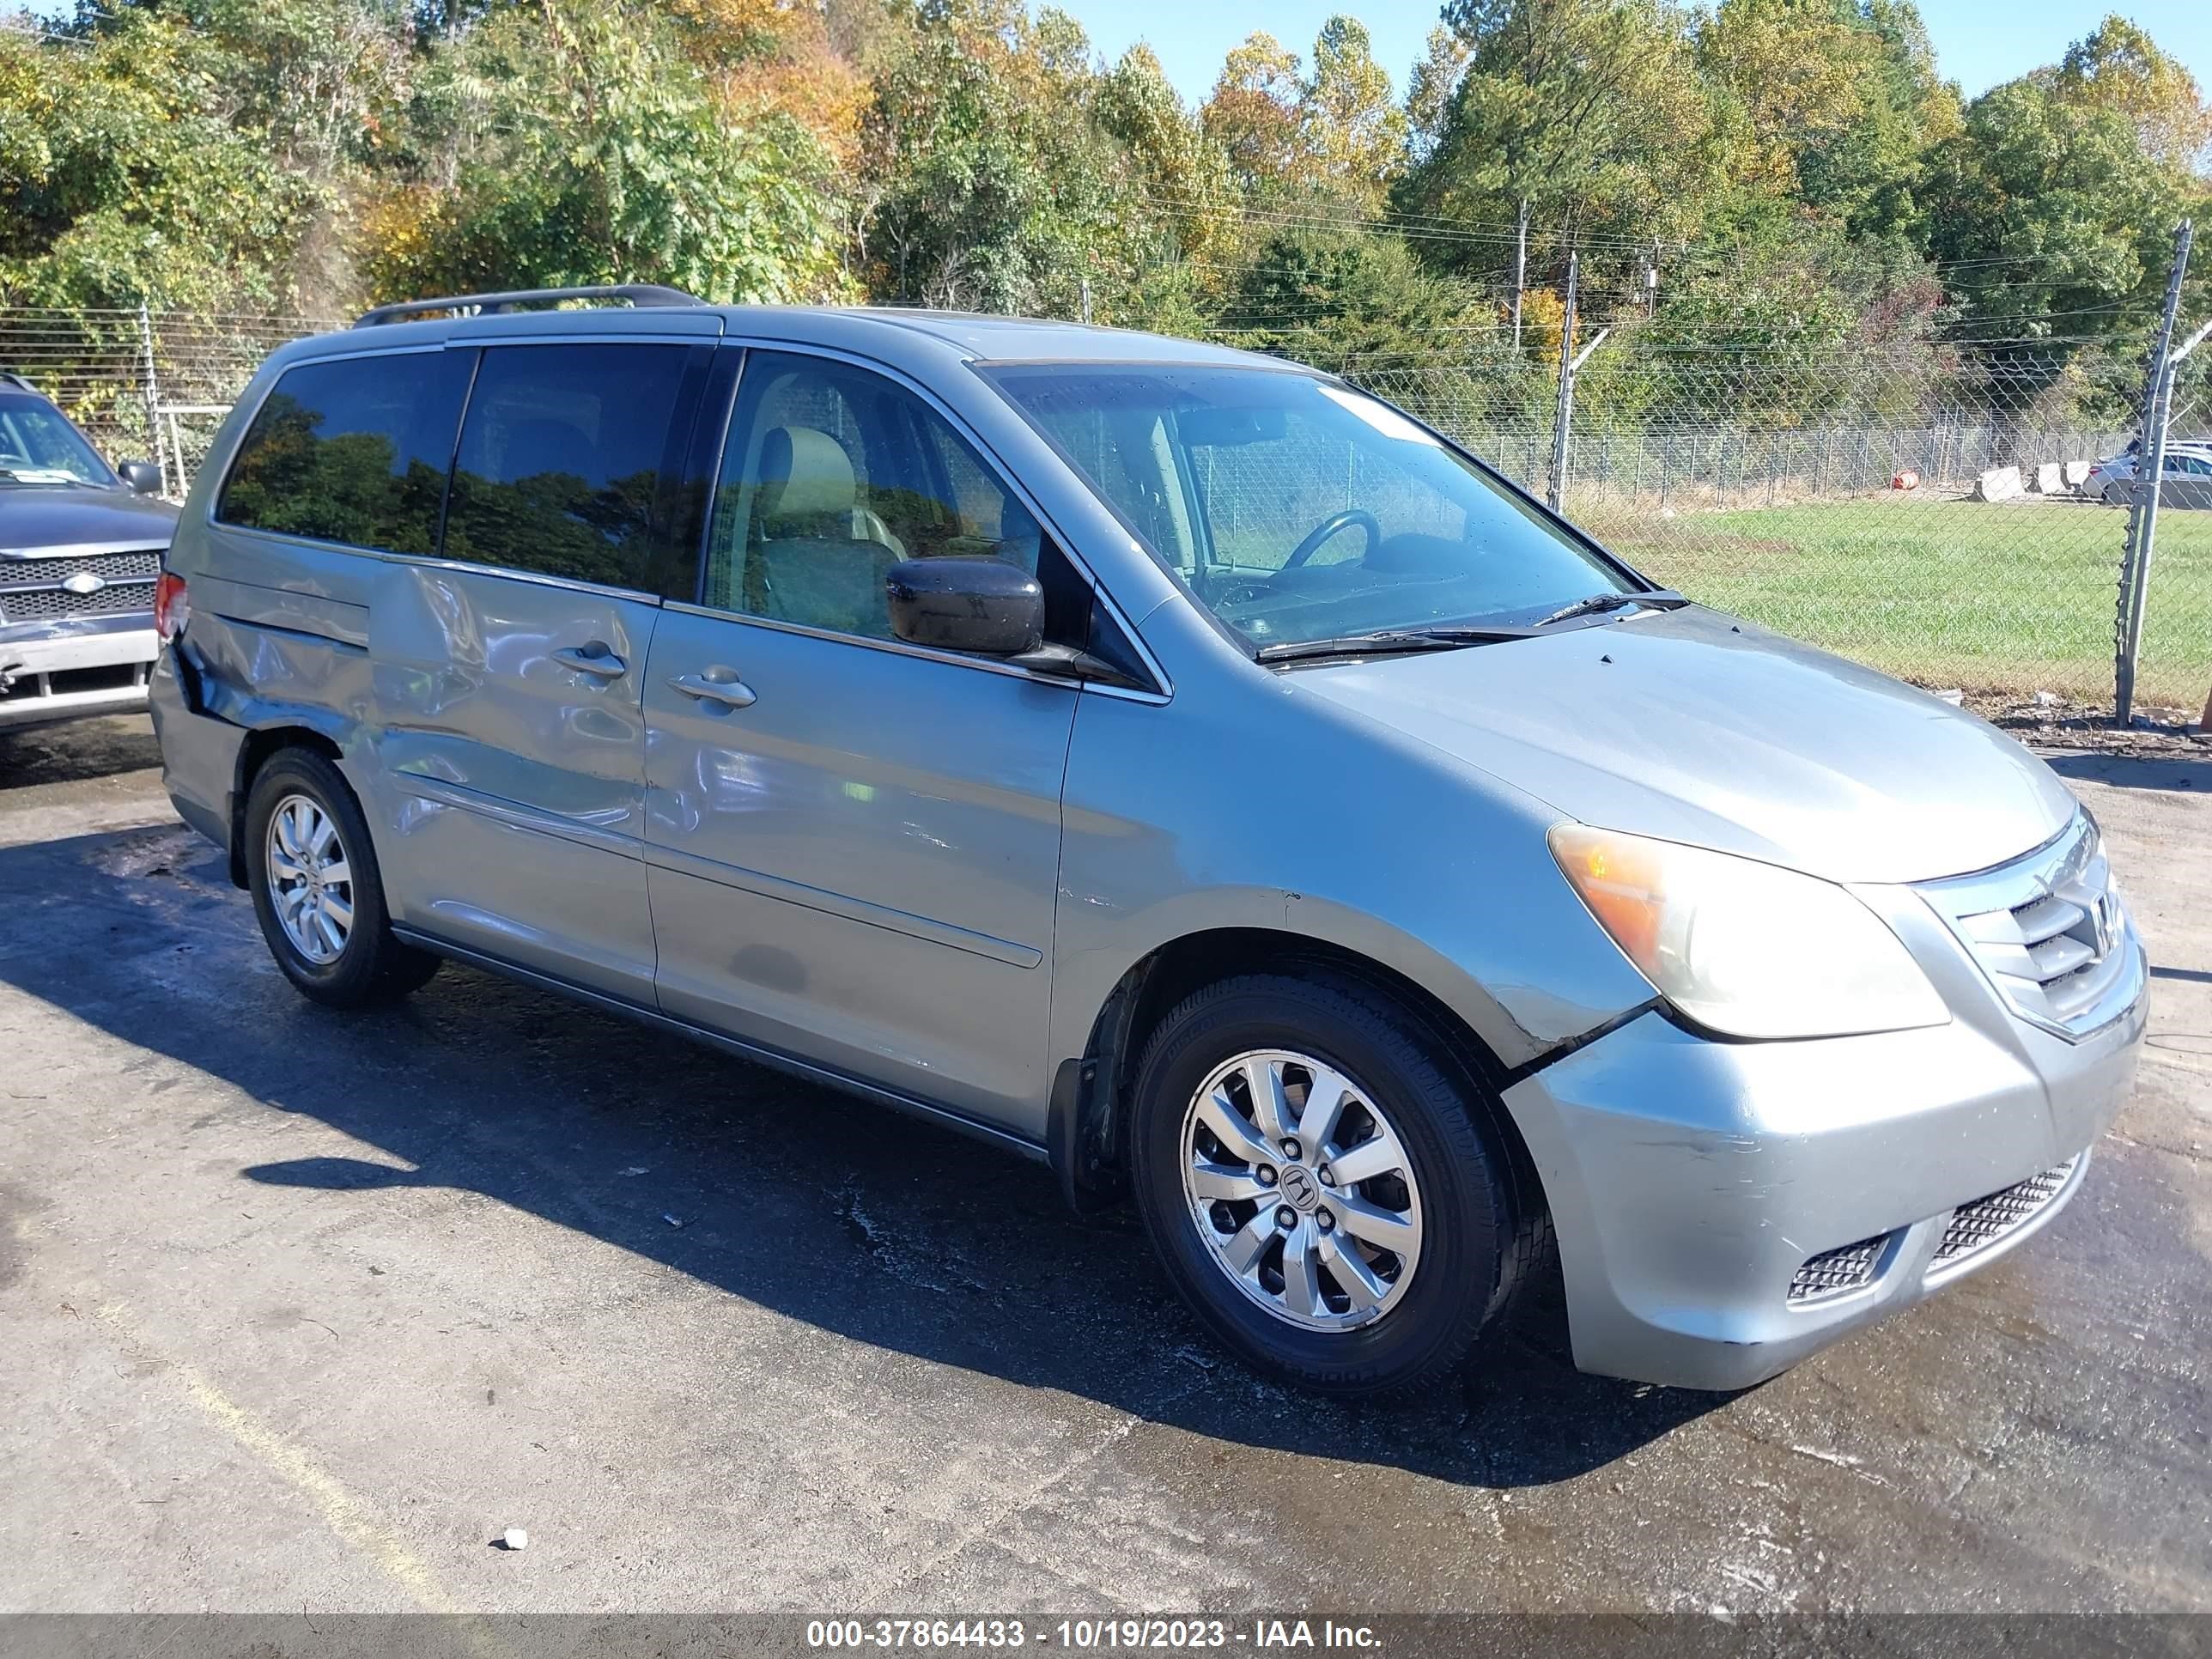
(2048, 479)
(1999, 483)
(2076, 473)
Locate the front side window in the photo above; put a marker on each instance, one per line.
(562, 459)
(354, 451)
(831, 475)
(38, 446)
(1295, 509)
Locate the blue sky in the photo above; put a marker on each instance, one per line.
(1978, 43)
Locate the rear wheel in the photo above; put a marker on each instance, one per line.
(1325, 1190)
(316, 889)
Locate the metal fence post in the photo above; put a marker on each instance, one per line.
(154, 398)
(1563, 419)
(2142, 506)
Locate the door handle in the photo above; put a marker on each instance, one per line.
(593, 659)
(730, 692)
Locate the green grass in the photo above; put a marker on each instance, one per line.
(1996, 597)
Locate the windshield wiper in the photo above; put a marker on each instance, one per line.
(1659, 598)
(1390, 639)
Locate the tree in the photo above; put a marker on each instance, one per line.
(131, 175)
(1253, 115)
(2118, 68)
(582, 144)
(1334, 138)
(1353, 135)
(1183, 171)
(1322, 296)
(1587, 114)
(1432, 91)
(2034, 183)
(993, 183)
(1831, 103)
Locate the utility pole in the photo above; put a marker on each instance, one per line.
(2150, 482)
(1563, 419)
(1520, 272)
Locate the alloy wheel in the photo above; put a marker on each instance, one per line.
(1301, 1190)
(310, 883)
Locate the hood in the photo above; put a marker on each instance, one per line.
(1691, 727)
(39, 521)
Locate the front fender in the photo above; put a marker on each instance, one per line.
(1210, 813)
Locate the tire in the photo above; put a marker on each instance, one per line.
(1476, 1240)
(349, 967)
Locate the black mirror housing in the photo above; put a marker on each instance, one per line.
(985, 605)
(142, 476)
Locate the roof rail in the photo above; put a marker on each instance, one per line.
(638, 294)
(9, 377)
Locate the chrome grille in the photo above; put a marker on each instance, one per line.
(2048, 930)
(1974, 1227)
(37, 590)
(108, 566)
(43, 603)
(1837, 1273)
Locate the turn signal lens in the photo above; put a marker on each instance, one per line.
(1745, 948)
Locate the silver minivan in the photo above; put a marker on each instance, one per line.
(1169, 763)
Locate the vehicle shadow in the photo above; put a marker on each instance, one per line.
(71, 751)
(852, 1217)
(2184, 771)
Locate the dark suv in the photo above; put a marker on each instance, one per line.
(80, 549)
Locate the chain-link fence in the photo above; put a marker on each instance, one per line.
(1938, 516)
(144, 384)
(1934, 514)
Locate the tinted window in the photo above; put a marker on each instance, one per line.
(352, 452)
(833, 475)
(562, 460)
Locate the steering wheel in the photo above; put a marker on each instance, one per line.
(1321, 533)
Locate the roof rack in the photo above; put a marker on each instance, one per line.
(490, 305)
(9, 377)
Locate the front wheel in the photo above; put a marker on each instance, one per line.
(316, 887)
(1327, 1192)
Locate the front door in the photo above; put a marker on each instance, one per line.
(510, 670)
(854, 844)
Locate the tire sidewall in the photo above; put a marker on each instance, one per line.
(1456, 1278)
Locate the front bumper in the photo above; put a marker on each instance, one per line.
(1691, 1179)
(84, 665)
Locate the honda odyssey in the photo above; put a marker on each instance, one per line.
(1174, 765)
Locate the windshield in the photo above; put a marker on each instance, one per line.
(38, 446)
(1295, 509)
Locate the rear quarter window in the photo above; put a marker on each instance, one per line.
(355, 451)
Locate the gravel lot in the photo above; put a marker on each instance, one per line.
(303, 1310)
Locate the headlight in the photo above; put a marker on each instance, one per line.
(1742, 947)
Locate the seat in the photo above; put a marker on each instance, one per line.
(817, 556)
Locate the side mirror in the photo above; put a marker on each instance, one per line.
(142, 476)
(979, 604)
